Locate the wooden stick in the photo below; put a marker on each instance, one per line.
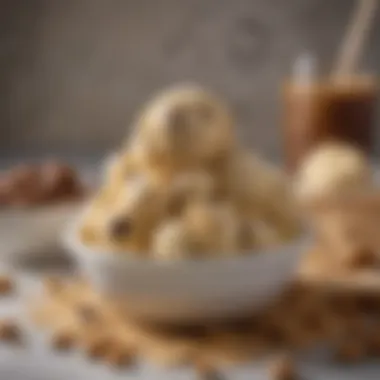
(355, 38)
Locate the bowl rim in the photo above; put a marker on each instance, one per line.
(71, 241)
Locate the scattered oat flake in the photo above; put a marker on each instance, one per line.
(121, 357)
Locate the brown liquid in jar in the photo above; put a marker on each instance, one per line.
(328, 111)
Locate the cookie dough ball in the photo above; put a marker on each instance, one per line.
(126, 222)
(189, 187)
(240, 178)
(206, 230)
(278, 208)
(172, 241)
(184, 126)
(136, 213)
(330, 170)
(214, 226)
(260, 191)
(256, 234)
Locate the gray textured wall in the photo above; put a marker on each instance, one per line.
(73, 72)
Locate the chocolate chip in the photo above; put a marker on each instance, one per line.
(6, 285)
(9, 331)
(64, 340)
(120, 227)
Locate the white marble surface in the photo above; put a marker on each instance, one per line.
(34, 360)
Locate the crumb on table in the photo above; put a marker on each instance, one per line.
(9, 331)
(6, 285)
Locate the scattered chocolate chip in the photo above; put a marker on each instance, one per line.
(64, 340)
(97, 347)
(9, 331)
(121, 356)
(6, 285)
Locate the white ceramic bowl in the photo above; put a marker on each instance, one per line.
(33, 234)
(188, 290)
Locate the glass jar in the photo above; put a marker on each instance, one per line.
(318, 109)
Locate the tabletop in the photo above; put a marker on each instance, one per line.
(35, 360)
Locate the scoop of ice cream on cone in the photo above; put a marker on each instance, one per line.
(330, 170)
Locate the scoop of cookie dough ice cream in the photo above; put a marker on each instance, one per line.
(257, 234)
(189, 187)
(172, 241)
(205, 230)
(331, 170)
(215, 224)
(125, 218)
(260, 191)
(183, 126)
